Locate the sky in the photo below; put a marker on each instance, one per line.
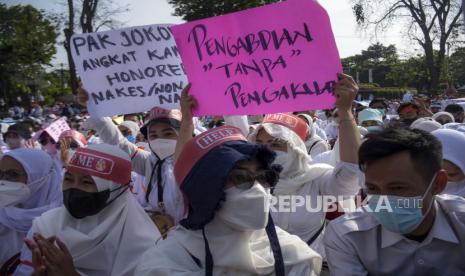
(349, 39)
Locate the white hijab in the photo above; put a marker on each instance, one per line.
(453, 150)
(297, 170)
(45, 186)
(244, 251)
(134, 127)
(108, 243)
(453, 146)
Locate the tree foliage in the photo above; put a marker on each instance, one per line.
(433, 24)
(457, 66)
(377, 57)
(27, 45)
(391, 71)
(197, 9)
(90, 16)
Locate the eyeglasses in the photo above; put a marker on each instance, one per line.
(45, 141)
(72, 145)
(10, 175)
(245, 179)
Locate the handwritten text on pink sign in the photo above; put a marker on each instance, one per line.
(276, 58)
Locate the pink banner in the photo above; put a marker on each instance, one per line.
(276, 58)
(56, 128)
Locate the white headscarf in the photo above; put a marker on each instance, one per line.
(453, 146)
(45, 186)
(134, 127)
(426, 124)
(456, 126)
(443, 113)
(110, 242)
(453, 150)
(297, 170)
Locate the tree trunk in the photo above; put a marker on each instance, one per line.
(89, 8)
(463, 10)
(430, 63)
(68, 34)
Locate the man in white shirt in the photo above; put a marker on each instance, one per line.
(405, 229)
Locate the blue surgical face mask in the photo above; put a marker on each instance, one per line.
(131, 138)
(374, 129)
(381, 110)
(399, 214)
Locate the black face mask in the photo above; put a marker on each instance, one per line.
(81, 204)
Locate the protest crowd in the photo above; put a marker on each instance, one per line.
(364, 187)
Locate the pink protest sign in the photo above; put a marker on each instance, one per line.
(56, 128)
(276, 58)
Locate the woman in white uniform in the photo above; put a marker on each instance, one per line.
(163, 197)
(285, 134)
(228, 230)
(29, 186)
(100, 230)
(453, 152)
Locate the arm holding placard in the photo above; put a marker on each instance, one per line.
(345, 176)
(110, 134)
(187, 125)
(349, 135)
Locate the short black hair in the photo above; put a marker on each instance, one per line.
(407, 104)
(425, 149)
(379, 100)
(131, 115)
(454, 108)
(20, 130)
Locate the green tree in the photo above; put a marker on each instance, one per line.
(411, 72)
(27, 45)
(58, 85)
(430, 23)
(457, 66)
(378, 58)
(197, 9)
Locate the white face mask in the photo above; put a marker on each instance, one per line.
(245, 210)
(454, 187)
(12, 193)
(163, 147)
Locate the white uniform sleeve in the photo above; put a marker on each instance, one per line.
(302, 269)
(241, 122)
(110, 134)
(340, 255)
(165, 271)
(342, 180)
(321, 133)
(167, 260)
(25, 267)
(319, 148)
